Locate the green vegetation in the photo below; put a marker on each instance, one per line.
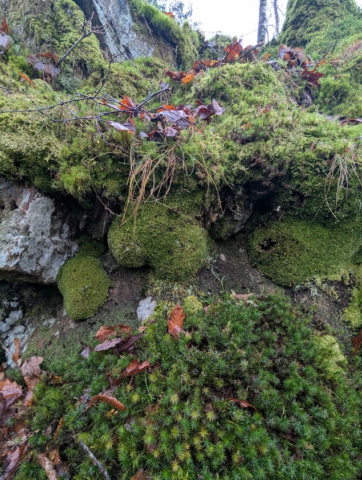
(165, 237)
(305, 19)
(180, 420)
(353, 314)
(84, 285)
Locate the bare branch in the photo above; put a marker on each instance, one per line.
(95, 462)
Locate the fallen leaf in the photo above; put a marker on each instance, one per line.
(86, 352)
(126, 104)
(233, 51)
(31, 372)
(134, 368)
(59, 427)
(49, 55)
(169, 14)
(176, 321)
(9, 394)
(357, 342)
(129, 126)
(4, 27)
(108, 344)
(140, 475)
(188, 78)
(106, 332)
(107, 399)
(16, 354)
(13, 459)
(129, 342)
(177, 76)
(27, 79)
(243, 403)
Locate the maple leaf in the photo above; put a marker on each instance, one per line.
(233, 51)
(243, 403)
(106, 332)
(134, 368)
(357, 342)
(107, 399)
(176, 321)
(31, 373)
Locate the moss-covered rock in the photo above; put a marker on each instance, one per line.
(165, 237)
(84, 285)
(293, 251)
(306, 18)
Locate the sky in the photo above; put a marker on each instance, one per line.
(233, 17)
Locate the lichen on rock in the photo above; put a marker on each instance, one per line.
(84, 285)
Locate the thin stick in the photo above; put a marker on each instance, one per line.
(95, 462)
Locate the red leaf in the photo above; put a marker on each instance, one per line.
(108, 399)
(357, 342)
(176, 322)
(243, 403)
(134, 368)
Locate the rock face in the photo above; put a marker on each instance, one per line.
(35, 235)
(123, 37)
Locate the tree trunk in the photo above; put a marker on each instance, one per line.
(262, 20)
(276, 16)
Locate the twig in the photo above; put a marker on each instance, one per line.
(95, 462)
(48, 467)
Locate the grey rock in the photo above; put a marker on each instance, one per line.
(35, 234)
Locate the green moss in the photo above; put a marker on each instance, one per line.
(89, 247)
(305, 19)
(165, 237)
(180, 420)
(84, 285)
(294, 251)
(353, 313)
(192, 305)
(331, 356)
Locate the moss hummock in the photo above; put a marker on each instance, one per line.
(305, 19)
(293, 251)
(84, 285)
(167, 239)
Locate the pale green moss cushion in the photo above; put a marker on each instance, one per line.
(84, 285)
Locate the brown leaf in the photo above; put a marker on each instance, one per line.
(107, 399)
(243, 403)
(16, 354)
(4, 27)
(169, 14)
(233, 51)
(357, 342)
(188, 78)
(108, 344)
(49, 55)
(9, 394)
(47, 70)
(129, 342)
(176, 321)
(267, 56)
(59, 427)
(27, 79)
(48, 467)
(177, 76)
(166, 107)
(31, 373)
(13, 459)
(106, 332)
(126, 104)
(140, 475)
(134, 368)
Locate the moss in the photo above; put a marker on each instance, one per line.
(166, 238)
(332, 358)
(84, 285)
(192, 305)
(90, 248)
(306, 18)
(294, 251)
(353, 313)
(180, 420)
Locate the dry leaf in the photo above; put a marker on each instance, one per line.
(16, 354)
(108, 399)
(176, 322)
(31, 373)
(243, 403)
(106, 332)
(108, 344)
(134, 368)
(27, 79)
(140, 475)
(357, 342)
(13, 459)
